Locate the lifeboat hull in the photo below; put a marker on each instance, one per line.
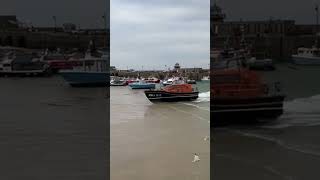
(244, 110)
(158, 96)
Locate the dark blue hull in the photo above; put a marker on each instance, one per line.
(85, 79)
(243, 110)
(305, 60)
(162, 96)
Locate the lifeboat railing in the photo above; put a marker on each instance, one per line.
(248, 90)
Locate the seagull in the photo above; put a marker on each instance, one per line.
(196, 158)
(206, 138)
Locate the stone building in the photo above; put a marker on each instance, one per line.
(43, 40)
(276, 39)
(11, 34)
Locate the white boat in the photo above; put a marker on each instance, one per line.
(152, 80)
(191, 81)
(307, 56)
(22, 64)
(205, 78)
(118, 82)
(167, 82)
(260, 64)
(91, 71)
(174, 80)
(171, 81)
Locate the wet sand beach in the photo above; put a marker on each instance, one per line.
(51, 131)
(157, 141)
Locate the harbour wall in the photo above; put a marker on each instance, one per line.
(43, 40)
(279, 47)
(161, 75)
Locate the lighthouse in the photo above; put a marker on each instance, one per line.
(217, 18)
(177, 67)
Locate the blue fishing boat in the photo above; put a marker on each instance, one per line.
(142, 85)
(88, 72)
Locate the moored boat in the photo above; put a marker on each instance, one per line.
(167, 82)
(131, 80)
(260, 64)
(142, 85)
(191, 81)
(56, 60)
(89, 72)
(16, 64)
(205, 78)
(171, 81)
(307, 56)
(118, 82)
(152, 80)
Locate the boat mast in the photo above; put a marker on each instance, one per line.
(243, 44)
(317, 24)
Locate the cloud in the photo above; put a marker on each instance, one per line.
(153, 33)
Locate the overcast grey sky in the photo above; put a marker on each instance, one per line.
(300, 10)
(155, 33)
(87, 13)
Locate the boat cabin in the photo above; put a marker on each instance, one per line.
(235, 83)
(179, 88)
(90, 65)
(309, 52)
(235, 80)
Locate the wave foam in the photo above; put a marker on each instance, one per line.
(299, 112)
(203, 97)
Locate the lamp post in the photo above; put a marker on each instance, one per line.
(104, 17)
